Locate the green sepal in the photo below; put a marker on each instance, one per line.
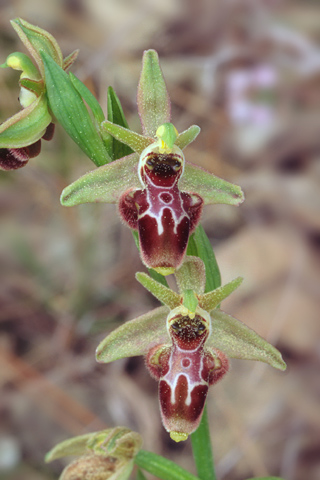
(153, 99)
(116, 115)
(88, 97)
(134, 140)
(104, 184)
(135, 337)
(162, 293)
(71, 112)
(237, 340)
(191, 275)
(211, 189)
(190, 300)
(209, 301)
(187, 136)
(37, 40)
(34, 86)
(118, 442)
(27, 126)
(200, 246)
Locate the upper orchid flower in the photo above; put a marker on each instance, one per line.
(158, 193)
(187, 344)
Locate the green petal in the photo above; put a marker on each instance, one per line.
(209, 301)
(191, 275)
(70, 59)
(188, 136)
(105, 184)
(162, 293)
(153, 98)
(134, 140)
(27, 126)
(37, 40)
(237, 340)
(211, 188)
(71, 112)
(135, 337)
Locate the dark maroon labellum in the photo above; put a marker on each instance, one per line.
(185, 371)
(163, 215)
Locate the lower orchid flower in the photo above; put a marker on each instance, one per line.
(187, 344)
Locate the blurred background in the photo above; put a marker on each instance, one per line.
(248, 73)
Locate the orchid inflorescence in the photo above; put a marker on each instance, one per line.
(186, 342)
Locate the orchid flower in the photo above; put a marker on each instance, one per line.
(158, 193)
(46, 100)
(186, 343)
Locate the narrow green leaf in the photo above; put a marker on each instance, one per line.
(212, 189)
(237, 340)
(116, 115)
(265, 478)
(135, 337)
(188, 136)
(161, 467)
(209, 301)
(104, 184)
(191, 275)
(200, 246)
(140, 475)
(153, 98)
(71, 112)
(27, 126)
(162, 293)
(88, 97)
(134, 140)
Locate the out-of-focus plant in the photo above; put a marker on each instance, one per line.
(187, 341)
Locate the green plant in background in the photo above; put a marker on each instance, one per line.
(188, 340)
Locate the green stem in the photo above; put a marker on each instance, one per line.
(202, 450)
(161, 467)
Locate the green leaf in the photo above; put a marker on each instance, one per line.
(88, 97)
(188, 136)
(191, 275)
(134, 140)
(209, 301)
(104, 184)
(153, 98)
(135, 337)
(200, 246)
(27, 126)
(162, 293)
(140, 475)
(265, 478)
(237, 340)
(71, 112)
(116, 115)
(37, 40)
(202, 449)
(161, 467)
(212, 189)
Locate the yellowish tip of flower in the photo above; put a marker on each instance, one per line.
(167, 135)
(164, 270)
(178, 436)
